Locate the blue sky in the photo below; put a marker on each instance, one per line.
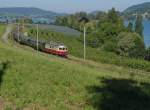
(71, 6)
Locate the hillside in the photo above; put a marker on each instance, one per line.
(140, 8)
(23, 11)
(143, 9)
(39, 81)
(34, 13)
(30, 80)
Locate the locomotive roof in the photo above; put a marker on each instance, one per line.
(62, 46)
(55, 43)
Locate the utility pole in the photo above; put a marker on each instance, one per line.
(23, 23)
(84, 42)
(37, 43)
(18, 32)
(84, 20)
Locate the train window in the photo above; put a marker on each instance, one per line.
(62, 48)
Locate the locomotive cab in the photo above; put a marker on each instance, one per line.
(62, 48)
(57, 49)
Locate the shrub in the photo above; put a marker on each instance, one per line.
(147, 54)
(130, 45)
(110, 46)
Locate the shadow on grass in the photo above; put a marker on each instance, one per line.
(120, 94)
(3, 68)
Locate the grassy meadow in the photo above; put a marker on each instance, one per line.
(38, 81)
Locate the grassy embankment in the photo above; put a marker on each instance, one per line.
(41, 81)
(76, 49)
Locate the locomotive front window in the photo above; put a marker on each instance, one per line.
(60, 49)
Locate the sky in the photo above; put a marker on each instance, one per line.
(71, 6)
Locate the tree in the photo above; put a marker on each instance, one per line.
(148, 50)
(113, 16)
(130, 27)
(139, 26)
(94, 40)
(130, 45)
(100, 15)
(80, 15)
(147, 54)
(110, 46)
(31, 31)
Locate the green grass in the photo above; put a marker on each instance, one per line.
(28, 79)
(2, 29)
(76, 49)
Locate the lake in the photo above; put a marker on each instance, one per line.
(146, 33)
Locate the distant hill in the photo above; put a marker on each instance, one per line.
(21, 11)
(142, 9)
(30, 12)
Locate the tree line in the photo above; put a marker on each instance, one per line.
(107, 31)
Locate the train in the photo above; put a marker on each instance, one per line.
(51, 47)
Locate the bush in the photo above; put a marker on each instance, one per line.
(147, 54)
(110, 46)
(130, 45)
(94, 41)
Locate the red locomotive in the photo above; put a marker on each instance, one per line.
(56, 49)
